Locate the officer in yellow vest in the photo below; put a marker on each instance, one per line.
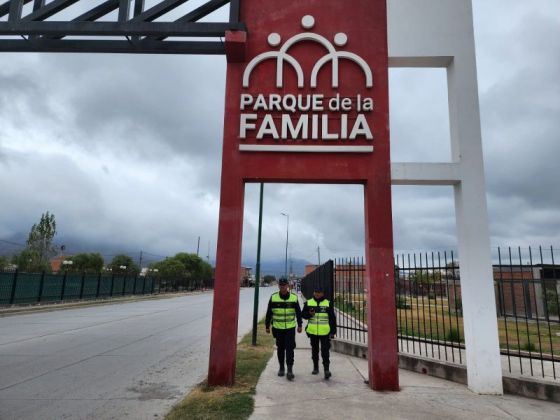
(321, 327)
(283, 313)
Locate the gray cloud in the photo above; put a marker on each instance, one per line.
(126, 150)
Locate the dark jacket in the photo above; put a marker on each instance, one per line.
(332, 317)
(268, 319)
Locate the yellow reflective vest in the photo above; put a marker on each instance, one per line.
(319, 323)
(283, 311)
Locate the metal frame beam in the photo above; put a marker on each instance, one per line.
(32, 32)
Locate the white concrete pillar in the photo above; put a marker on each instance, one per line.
(439, 33)
(484, 370)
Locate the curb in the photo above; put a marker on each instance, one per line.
(49, 307)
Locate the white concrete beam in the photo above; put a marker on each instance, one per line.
(417, 173)
(412, 62)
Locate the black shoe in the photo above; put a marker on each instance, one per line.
(281, 371)
(315, 370)
(290, 374)
(327, 374)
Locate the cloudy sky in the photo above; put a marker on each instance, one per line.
(126, 151)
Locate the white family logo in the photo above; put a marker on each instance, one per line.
(311, 121)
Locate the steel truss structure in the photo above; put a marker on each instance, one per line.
(114, 26)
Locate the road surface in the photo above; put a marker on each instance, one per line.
(131, 360)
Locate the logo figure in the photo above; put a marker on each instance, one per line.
(282, 56)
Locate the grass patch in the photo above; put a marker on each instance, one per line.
(236, 402)
(528, 346)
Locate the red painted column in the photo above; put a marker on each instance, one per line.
(382, 322)
(225, 313)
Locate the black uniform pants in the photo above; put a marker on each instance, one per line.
(325, 342)
(286, 343)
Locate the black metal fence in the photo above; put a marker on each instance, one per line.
(322, 276)
(429, 308)
(349, 299)
(29, 288)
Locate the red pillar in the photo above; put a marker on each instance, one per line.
(225, 313)
(382, 322)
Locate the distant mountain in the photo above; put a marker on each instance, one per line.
(277, 267)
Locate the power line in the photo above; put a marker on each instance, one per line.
(12, 243)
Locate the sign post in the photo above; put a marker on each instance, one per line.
(307, 102)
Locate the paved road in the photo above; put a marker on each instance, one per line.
(133, 360)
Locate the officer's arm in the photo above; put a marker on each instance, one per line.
(298, 315)
(268, 318)
(332, 320)
(305, 313)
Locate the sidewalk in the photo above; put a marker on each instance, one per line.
(346, 396)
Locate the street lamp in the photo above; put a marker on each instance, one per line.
(287, 230)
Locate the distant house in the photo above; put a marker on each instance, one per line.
(350, 277)
(245, 276)
(309, 268)
(56, 263)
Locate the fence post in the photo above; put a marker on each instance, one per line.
(98, 285)
(144, 286)
(82, 287)
(112, 283)
(153, 286)
(14, 285)
(124, 285)
(41, 286)
(63, 286)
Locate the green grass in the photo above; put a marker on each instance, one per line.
(232, 403)
(438, 320)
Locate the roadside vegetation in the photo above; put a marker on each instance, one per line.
(233, 403)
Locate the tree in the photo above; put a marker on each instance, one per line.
(184, 266)
(89, 263)
(169, 268)
(123, 264)
(40, 248)
(423, 281)
(4, 262)
(269, 279)
(28, 260)
(41, 236)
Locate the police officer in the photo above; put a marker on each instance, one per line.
(283, 312)
(321, 327)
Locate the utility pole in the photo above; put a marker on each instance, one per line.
(198, 246)
(287, 230)
(291, 265)
(258, 271)
(140, 261)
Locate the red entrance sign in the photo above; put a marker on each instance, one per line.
(307, 102)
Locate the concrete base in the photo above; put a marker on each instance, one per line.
(525, 387)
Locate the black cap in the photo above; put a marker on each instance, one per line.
(318, 287)
(282, 281)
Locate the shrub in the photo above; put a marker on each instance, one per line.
(528, 346)
(453, 334)
(552, 302)
(458, 305)
(402, 303)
